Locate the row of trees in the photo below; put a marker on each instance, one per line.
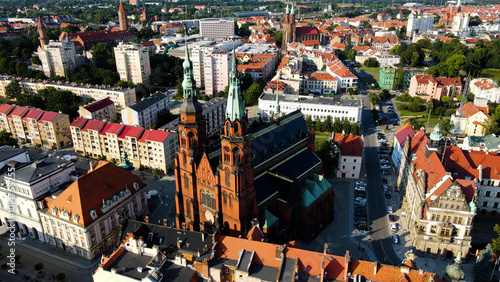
(337, 126)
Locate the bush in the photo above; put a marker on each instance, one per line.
(449, 112)
(113, 161)
(371, 63)
(38, 266)
(60, 276)
(141, 168)
(101, 158)
(87, 155)
(155, 172)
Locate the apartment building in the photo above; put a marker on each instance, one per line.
(419, 24)
(216, 28)
(216, 66)
(388, 76)
(427, 87)
(103, 110)
(22, 193)
(154, 149)
(198, 59)
(31, 125)
(350, 157)
(483, 88)
(384, 44)
(258, 65)
(145, 112)
(439, 209)
(132, 62)
(345, 78)
(85, 218)
(122, 97)
(316, 107)
(58, 58)
(321, 82)
(469, 120)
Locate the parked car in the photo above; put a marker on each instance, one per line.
(360, 213)
(387, 195)
(385, 172)
(389, 209)
(392, 218)
(395, 238)
(360, 199)
(360, 183)
(361, 227)
(386, 188)
(394, 227)
(384, 180)
(360, 218)
(359, 188)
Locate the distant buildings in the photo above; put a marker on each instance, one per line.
(30, 125)
(419, 24)
(428, 87)
(102, 110)
(321, 82)
(217, 28)
(350, 156)
(132, 62)
(469, 120)
(145, 112)
(150, 148)
(216, 65)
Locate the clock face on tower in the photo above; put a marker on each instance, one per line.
(209, 217)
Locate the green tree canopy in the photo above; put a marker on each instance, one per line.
(7, 139)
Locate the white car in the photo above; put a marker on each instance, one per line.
(360, 188)
(389, 209)
(386, 167)
(394, 227)
(360, 200)
(386, 188)
(360, 183)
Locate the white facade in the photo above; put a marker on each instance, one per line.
(314, 107)
(197, 59)
(419, 24)
(349, 166)
(58, 56)
(216, 28)
(145, 113)
(483, 88)
(460, 22)
(216, 67)
(132, 62)
(120, 96)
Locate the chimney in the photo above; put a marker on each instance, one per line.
(346, 266)
(178, 243)
(480, 168)
(198, 253)
(146, 219)
(165, 222)
(375, 268)
(91, 166)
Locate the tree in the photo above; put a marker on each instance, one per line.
(327, 151)
(38, 266)
(318, 125)
(100, 54)
(446, 125)
(7, 139)
(142, 91)
(355, 128)
(279, 37)
(251, 95)
(482, 267)
(13, 89)
(60, 276)
(495, 243)
(328, 124)
(309, 122)
(337, 126)
(346, 126)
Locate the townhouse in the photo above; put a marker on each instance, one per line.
(469, 120)
(483, 88)
(351, 155)
(427, 87)
(321, 82)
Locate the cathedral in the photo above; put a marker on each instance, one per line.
(292, 33)
(267, 177)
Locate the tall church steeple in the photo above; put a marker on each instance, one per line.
(122, 17)
(42, 31)
(234, 107)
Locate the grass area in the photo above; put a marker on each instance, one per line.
(406, 113)
(432, 120)
(370, 75)
(371, 70)
(326, 134)
(491, 73)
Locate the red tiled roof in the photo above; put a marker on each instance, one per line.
(49, 116)
(19, 111)
(157, 135)
(98, 105)
(131, 131)
(338, 45)
(468, 187)
(34, 114)
(470, 109)
(306, 30)
(321, 76)
(350, 145)
(310, 42)
(403, 132)
(79, 122)
(96, 125)
(115, 128)
(6, 109)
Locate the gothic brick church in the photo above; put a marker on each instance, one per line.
(292, 33)
(268, 176)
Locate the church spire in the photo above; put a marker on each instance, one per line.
(287, 10)
(42, 31)
(188, 82)
(234, 107)
(122, 17)
(292, 12)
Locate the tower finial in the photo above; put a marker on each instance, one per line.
(234, 107)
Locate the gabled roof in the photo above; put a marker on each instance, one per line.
(6, 109)
(91, 190)
(470, 109)
(96, 125)
(131, 131)
(321, 75)
(48, 116)
(404, 131)
(98, 105)
(34, 114)
(306, 30)
(350, 145)
(20, 111)
(79, 122)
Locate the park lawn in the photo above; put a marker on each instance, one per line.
(370, 70)
(491, 73)
(432, 120)
(323, 134)
(406, 113)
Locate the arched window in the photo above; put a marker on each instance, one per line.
(228, 177)
(188, 209)
(191, 140)
(186, 181)
(225, 198)
(184, 158)
(236, 129)
(207, 199)
(228, 128)
(231, 201)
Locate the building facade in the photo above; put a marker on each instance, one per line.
(469, 120)
(216, 65)
(58, 58)
(85, 218)
(145, 112)
(30, 125)
(350, 155)
(483, 88)
(397, 77)
(217, 28)
(132, 62)
(419, 24)
(122, 17)
(321, 82)
(428, 87)
(102, 110)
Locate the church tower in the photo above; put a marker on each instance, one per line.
(192, 142)
(288, 29)
(239, 204)
(122, 17)
(42, 31)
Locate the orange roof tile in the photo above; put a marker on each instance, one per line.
(470, 109)
(321, 76)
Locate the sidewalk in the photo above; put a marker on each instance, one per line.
(55, 253)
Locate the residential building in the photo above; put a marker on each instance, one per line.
(316, 107)
(488, 143)
(321, 82)
(85, 218)
(102, 110)
(22, 193)
(384, 44)
(390, 77)
(152, 252)
(400, 137)
(247, 167)
(427, 87)
(8, 153)
(483, 88)
(217, 28)
(132, 62)
(91, 38)
(469, 120)
(350, 155)
(30, 125)
(145, 112)
(58, 58)
(149, 148)
(216, 65)
(419, 24)
(438, 209)
(460, 22)
(198, 59)
(345, 78)
(122, 97)
(258, 65)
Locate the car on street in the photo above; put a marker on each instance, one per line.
(361, 227)
(359, 188)
(384, 162)
(394, 227)
(385, 172)
(386, 167)
(360, 213)
(360, 183)
(387, 195)
(386, 188)
(357, 218)
(392, 218)
(395, 238)
(384, 180)
(360, 199)
(389, 209)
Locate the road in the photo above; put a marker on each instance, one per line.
(377, 210)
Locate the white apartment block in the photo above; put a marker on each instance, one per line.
(145, 112)
(316, 107)
(150, 148)
(460, 22)
(198, 54)
(216, 67)
(419, 24)
(132, 62)
(483, 88)
(26, 189)
(122, 97)
(321, 82)
(103, 109)
(57, 57)
(345, 78)
(217, 28)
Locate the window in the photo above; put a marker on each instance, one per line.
(487, 194)
(188, 209)
(231, 201)
(184, 158)
(186, 180)
(495, 205)
(225, 198)
(485, 204)
(208, 199)
(228, 177)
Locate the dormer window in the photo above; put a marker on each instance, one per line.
(75, 218)
(65, 214)
(136, 186)
(54, 210)
(93, 214)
